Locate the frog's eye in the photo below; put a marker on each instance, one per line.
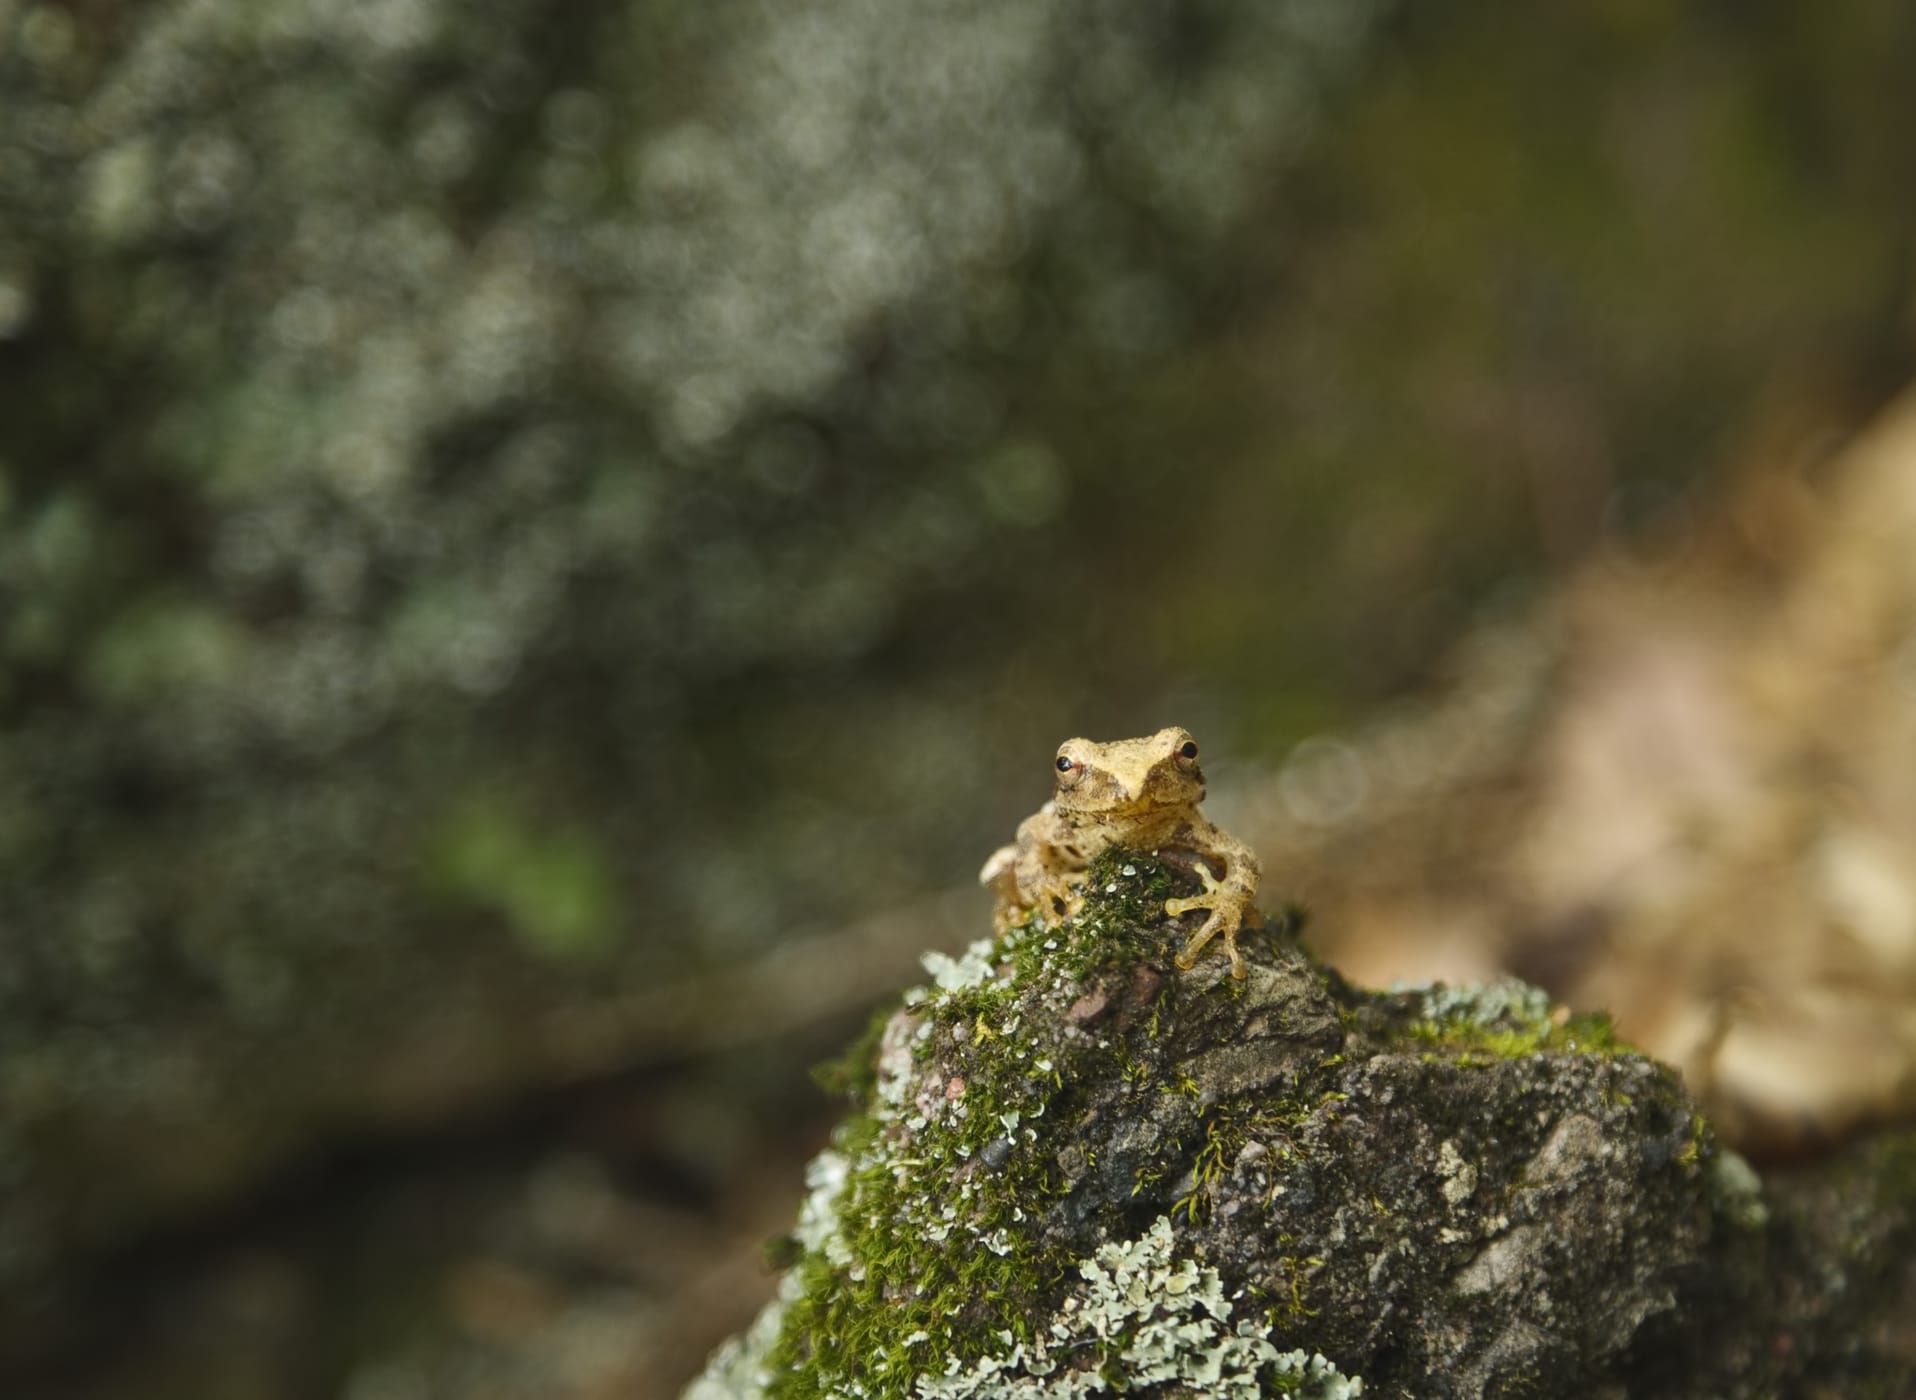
(1064, 764)
(1187, 750)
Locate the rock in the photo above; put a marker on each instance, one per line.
(1292, 1184)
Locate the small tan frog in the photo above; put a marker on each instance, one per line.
(1138, 793)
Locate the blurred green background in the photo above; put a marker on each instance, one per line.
(522, 525)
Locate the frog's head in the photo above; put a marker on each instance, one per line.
(1130, 775)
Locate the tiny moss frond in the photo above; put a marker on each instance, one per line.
(853, 1072)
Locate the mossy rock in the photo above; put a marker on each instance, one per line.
(1074, 1168)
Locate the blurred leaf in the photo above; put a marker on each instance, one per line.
(552, 887)
(166, 645)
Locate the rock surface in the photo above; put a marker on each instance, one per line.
(1075, 1169)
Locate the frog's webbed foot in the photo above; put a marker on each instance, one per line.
(1227, 917)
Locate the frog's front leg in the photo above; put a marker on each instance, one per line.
(1228, 899)
(1051, 870)
(1000, 877)
(1037, 872)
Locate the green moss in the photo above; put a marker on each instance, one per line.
(893, 1295)
(853, 1072)
(1696, 1143)
(1893, 1167)
(931, 1259)
(1121, 924)
(1885, 1171)
(1230, 1125)
(1504, 1021)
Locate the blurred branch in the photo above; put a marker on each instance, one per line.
(798, 984)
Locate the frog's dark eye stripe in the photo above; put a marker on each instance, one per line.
(1064, 764)
(1189, 750)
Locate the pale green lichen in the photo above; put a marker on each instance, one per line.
(737, 1370)
(975, 968)
(817, 1227)
(1146, 1318)
(1737, 1191)
(1504, 1000)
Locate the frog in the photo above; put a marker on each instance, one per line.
(1143, 795)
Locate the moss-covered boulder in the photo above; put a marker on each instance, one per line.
(1074, 1169)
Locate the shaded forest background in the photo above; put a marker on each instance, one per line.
(539, 549)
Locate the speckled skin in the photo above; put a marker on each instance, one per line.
(1142, 794)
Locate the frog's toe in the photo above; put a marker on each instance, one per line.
(1223, 923)
(1207, 900)
(1237, 958)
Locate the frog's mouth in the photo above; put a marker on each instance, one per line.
(1168, 791)
(1154, 804)
(1127, 804)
